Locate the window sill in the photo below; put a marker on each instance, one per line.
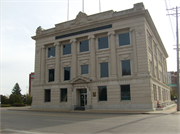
(67, 55)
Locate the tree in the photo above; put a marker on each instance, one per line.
(173, 93)
(29, 100)
(4, 99)
(16, 90)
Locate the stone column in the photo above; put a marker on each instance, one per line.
(74, 58)
(43, 64)
(57, 63)
(133, 42)
(91, 39)
(113, 60)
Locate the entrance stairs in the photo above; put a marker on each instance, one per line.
(80, 108)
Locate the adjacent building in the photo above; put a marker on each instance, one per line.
(106, 61)
(172, 80)
(31, 79)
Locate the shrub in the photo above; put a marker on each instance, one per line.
(5, 105)
(4, 99)
(18, 104)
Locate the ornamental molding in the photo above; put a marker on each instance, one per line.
(91, 37)
(66, 64)
(81, 18)
(51, 66)
(73, 41)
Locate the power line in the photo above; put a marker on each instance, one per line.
(169, 19)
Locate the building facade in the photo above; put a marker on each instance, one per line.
(31, 79)
(106, 61)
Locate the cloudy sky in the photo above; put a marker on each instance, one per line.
(20, 18)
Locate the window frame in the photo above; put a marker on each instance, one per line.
(120, 41)
(69, 74)
(98, 45)
(129, 92)
(87, 69)
(49, 75)
(81, 44)
(63, 53)
(49, 98)
(122, 68)
(104, 98)
(107, 70)
(61, 100)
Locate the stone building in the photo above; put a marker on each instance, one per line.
(106, 61)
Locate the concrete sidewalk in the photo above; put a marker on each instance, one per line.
(172, 109)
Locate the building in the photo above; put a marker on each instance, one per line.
(106, 61)
(172, 80)
(31, 79)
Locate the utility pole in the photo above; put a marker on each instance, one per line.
(177, 41)
(83, 6)
(68, 11)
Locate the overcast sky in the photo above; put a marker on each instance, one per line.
(20, 18)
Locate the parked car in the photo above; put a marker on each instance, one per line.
(175, 101)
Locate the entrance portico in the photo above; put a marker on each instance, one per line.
(81, 94)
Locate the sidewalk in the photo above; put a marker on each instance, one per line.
(169, 110)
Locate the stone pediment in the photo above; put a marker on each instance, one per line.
(80, 79)
(81, 18)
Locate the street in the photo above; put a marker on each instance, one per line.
(80, 122)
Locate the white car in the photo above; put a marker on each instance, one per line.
(175, 101)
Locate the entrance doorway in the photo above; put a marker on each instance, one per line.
(83, 99)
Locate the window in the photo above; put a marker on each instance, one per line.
(126, 67)
(155, 49)
(124, 39)
(51, 52)
(51, 75)
(161, 76)
(149, 41)
(155, 93)
(151, 67)
(67, 73)
(102, 93)
(66, 49)
(84, 69)
(103, 42)
(104, 69)
(84, 46)
(125, 92)
(47, 95)
(64, 95)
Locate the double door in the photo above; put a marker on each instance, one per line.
(83, 99)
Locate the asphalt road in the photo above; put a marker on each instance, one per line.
(63, 123)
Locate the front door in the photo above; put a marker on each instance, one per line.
(83, 99)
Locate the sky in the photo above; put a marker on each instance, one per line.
(20, 18)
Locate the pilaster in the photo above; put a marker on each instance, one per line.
(57, 63)
(74, 58)
(43, 58)
(113, 57)
(91, 39)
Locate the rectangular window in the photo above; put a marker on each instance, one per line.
(84, 46)
(51, 52)
(67, 73)
(102, 93)
(51, 75)
(155, 49)
(124, 39)
(155, 93)
(126, 67)
(84, 69)
(149, 41)
(103, 42)
(66, 49)
(64, 95)
(47, 95)
(104, 69)
(151, 67)
(125, 92)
